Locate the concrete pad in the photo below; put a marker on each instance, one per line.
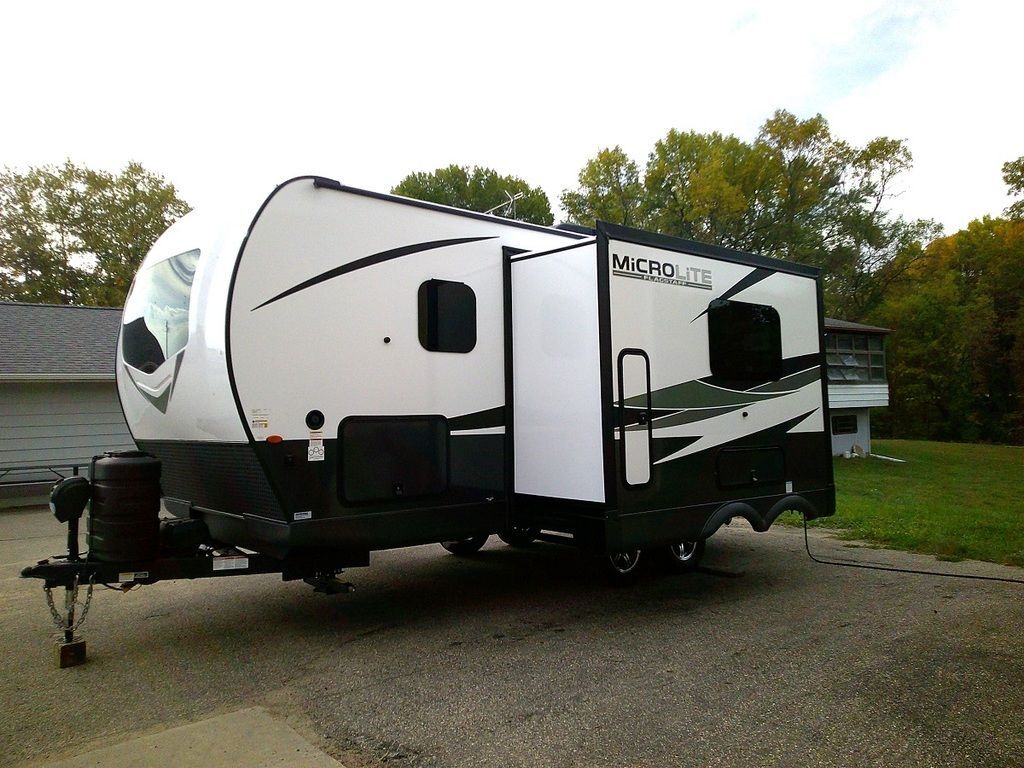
(249, 737)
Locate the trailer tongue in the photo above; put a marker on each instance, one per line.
(128, 545)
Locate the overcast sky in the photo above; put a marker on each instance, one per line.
(222, 100)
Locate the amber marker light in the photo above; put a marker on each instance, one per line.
(274, 439)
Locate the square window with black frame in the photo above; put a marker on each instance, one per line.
(447, 316)
(844, 424)
(744, 342)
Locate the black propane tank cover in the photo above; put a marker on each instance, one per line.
(124, 521)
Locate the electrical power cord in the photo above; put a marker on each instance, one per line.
(868, 567)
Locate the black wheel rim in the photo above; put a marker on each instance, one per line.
(624, 562)
(683, 551)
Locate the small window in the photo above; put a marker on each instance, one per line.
(845, 424)
(744, 341)
(156, 312)
(447, 316)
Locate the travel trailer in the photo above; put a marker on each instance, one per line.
(350, 371)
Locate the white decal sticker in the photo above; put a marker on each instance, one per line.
(230, 563)
(307, 515)
(789, 486)
(259, 418)
(132, 576)
(315, 451)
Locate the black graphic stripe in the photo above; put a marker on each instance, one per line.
(369, 261)
(492, 417)
(791, 365)
(755, 276)
(687, 417)
(794, 381)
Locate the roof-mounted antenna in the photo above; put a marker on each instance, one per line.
(508, 208)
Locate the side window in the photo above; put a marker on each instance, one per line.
(447, 316)
(745, 341)
(844, 424)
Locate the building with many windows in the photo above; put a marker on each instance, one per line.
(855, 355)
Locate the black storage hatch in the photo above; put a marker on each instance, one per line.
(386, 458)
(750, 466)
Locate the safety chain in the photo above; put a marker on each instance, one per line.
(67, 625)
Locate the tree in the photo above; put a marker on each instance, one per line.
(71, 235)
(1013, 175)
(704, 187)
(956, 359)
(795, 192)
(609, 190)
(478, 189)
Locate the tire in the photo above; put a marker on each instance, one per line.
(517, 536)
(623, 568)
(683, 557)
(467, 546)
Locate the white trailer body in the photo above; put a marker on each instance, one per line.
(352, 371)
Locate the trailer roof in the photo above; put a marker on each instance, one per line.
(655, 240)
(325, 183)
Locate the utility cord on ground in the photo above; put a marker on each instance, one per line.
(868, 567)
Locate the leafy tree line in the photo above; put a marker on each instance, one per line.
(795, 192)
(70, 235)
(479, 189)
(956, 356)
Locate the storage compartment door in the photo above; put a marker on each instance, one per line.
(635, 416)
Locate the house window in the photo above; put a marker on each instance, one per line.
(845, 424)
(447, 316)
(744, 341)
(855, 358)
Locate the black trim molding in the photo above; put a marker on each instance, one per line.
(680, 245)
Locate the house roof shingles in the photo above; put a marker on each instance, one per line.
(57, 341)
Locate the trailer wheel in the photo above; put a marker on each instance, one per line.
(623, 568)
(517, 536)
(684, 556)
(468, 546)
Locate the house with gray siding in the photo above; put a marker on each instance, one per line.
(58, 400)
(855, 357)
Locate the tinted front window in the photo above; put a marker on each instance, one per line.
(156, 312)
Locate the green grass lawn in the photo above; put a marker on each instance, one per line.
(951, 500)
